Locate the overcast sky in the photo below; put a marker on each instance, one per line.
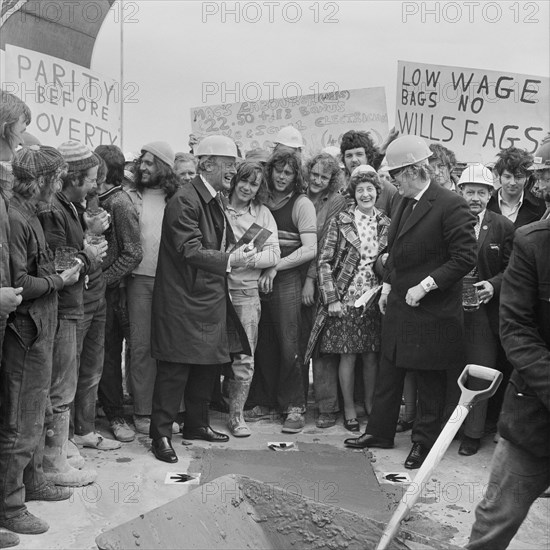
(182, 54)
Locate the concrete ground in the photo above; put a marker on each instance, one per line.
(131, 482)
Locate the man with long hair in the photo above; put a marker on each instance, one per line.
(154, 184)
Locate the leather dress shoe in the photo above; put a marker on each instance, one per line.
(469, 446)
(206, 433)
(162, 449)
(367, 440)
(417, 456)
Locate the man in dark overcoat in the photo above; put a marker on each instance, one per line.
(520, 468)
(432, 246)
(191, 305)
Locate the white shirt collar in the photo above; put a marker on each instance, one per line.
(419, 195)
(211, 190)
(501, 201)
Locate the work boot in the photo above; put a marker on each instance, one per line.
(121, 429)
(8, 539)
(238, 394)
(295, 421)
(25, 523)
(50, 493)
(56, 467)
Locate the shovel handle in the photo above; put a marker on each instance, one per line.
(467, 400)
(469, 397)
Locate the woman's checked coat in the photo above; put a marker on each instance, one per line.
(337, 263)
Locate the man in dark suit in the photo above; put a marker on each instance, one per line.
(191, 305)
(432, 246)
(520, 469)
(512, 200)
(495, 235)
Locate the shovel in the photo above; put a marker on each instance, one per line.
(468, 398)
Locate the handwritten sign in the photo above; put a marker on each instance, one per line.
(473, 112)
(321, 118)
(67, 101)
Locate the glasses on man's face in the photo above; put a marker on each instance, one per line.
(90, 180)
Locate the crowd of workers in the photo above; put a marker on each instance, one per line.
(380, 269)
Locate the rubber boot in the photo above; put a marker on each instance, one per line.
(238, 394)
(55, 464)
(74, 458)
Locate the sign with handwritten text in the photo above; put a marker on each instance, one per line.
(67, 101)
(321, 118)
(473, 112)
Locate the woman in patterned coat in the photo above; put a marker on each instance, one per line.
(355, 239)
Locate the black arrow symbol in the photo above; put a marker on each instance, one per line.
(181, 478)
(397, 478)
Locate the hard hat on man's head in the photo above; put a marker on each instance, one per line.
(406, 150)
(220, 146)
(477, 173)
(541, 160)
(290, 137)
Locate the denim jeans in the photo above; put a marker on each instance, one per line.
(144, 368)
(517, 478)
(24, 386)
(277, 378)
(110, 391)
(248, 308)
(64, 367)
(90, 337)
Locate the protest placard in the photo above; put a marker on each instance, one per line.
(473, 112)
(67, 101)
(321, 118)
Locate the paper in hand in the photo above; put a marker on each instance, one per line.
(369, 297)
(255, 233)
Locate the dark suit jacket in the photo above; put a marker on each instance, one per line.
(191, 304)
(438, 239)
(525, 335)
(494, 247)
(530, 211)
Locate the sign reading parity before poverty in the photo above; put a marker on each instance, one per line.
(473, 112)
(67, 101)
(321, 118)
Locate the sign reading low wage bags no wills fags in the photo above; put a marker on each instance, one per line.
(473, 112)
(67, 101)
(321, 118)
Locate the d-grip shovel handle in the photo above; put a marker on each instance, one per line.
(468, 397)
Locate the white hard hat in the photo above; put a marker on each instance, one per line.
(477, 173)
(290, 137)
(217, 145)
(406, 150)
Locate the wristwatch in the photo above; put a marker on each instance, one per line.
(428, 284)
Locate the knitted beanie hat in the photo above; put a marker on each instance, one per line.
(78, 157)
(36, 160)
(161, 150)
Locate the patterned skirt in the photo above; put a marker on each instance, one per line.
(354, 332)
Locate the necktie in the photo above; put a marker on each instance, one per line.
(406, 213)
(477, 227)
(219, 200)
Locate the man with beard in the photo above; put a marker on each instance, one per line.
(155, 183)
(191, 303)
(541, 164)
